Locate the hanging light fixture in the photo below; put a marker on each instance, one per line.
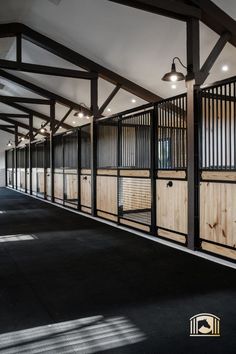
(174, 75)
(22, 138)
(80, 113)
(43, 129)
(9, 143)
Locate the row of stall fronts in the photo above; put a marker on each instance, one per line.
(141, 169)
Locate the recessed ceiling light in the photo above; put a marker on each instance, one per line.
(108, 109)
(225, 68)
(133, 100)
(173, 87)
(73, 122)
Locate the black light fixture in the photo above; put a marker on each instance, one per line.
(174, 75)
(43, 129)
(9, 143)
(80, 113)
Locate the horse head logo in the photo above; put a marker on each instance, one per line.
(204, 324)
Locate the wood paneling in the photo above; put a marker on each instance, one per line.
(48, 182)
(134, 173)
(171, 174)
(135, 225)
(107, 216)
(222, 251)
(40, 176)
(172, 205)
(219, 175)
(218, 212)
(107, 194)
(85, 172)
(71, 186)
(58, 185)
(107, 172)
(85, 191)
(34, 180)
(171, 236)
(86, 210)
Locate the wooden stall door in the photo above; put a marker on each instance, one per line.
(85, 192)
(172, 205)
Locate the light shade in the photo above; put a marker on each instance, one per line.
(173, 75)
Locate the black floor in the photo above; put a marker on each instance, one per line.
(138, 295)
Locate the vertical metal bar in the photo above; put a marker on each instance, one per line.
(30, 152)
(209, 129)
(6, 167)
(221, 128)
(52, 129)
(119, 162)
(16, 157)
(44, 168)
(62, 141)
(225, 127)
(234, 114)
(79, 167)
(217, 130)
(230, 130)
(93, 130)
(19, 48)
(152, 142)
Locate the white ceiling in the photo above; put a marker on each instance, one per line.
(136, 44)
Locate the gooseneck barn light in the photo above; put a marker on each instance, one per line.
(174, 75)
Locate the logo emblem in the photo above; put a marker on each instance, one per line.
(205, 324)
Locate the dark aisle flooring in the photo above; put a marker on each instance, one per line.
(137, 295)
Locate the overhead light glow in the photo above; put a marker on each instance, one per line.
(108, 109)
(73, 122)
(225, 68)
(133, 100)
(173, 87)
(9, 143)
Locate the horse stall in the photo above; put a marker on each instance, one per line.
(85, 169)
(107, 170)
(21, 169)
(40, 171)
(171, 165)
(58, 168)
(218, 169)
(70, 166)
(10, 168)
(34, 168)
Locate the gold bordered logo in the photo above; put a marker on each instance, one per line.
(205, 324)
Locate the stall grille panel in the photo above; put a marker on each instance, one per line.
(171, 152)
(135, 199)
(218, 127)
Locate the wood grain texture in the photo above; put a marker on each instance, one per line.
(58, 185)
(107, 172)
(135, 225)
(171, 174)
(107, 194)
(218, 212)
(71, 186)
(220, 250)
(134, 173)
(172, 205)
(85, 191)
(171, 236)
(219, 176)
(107, 216)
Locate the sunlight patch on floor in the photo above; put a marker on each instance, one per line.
(84, 336)
(17, 237)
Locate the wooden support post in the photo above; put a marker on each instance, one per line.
(193, 59)
(93, 133)
(52, 130)
(30, 152)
